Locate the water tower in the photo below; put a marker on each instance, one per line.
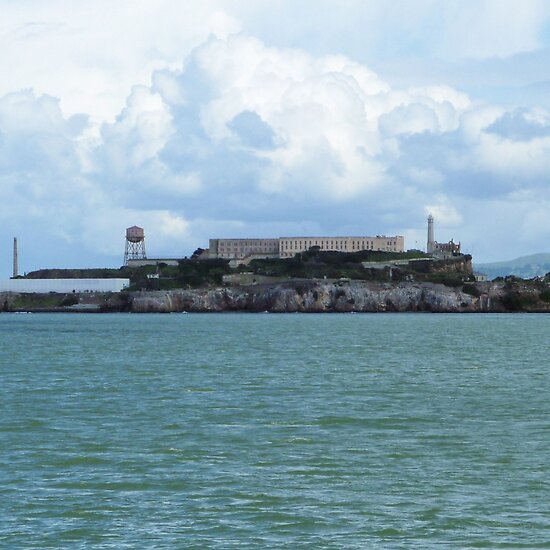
(135, 244)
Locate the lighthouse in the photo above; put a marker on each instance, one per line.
(431, 241)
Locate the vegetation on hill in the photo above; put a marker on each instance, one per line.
(299, 272)
(336, 265)
(525, 295)
(91, 273)
(189, 273)
(313, 264)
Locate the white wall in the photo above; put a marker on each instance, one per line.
(63, 285)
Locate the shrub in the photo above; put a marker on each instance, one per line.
(446, 280)
(512, 301)
(472, 290)
(69, 301)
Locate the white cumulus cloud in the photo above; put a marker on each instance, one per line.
(244, 139)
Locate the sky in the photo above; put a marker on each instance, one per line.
(211, 118)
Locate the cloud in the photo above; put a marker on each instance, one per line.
(252, 130)
(299, 136)
(492, 28)
(165, 231)
(243, 139)
(90, 55)
(445, 213)
(521, 125)
(454, 29)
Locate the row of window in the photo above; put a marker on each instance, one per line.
(245, 251)
(247, 243)
(359, 245)
(290, 247)
(291, 251)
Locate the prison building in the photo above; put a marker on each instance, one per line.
(289, 246)
(239, 249)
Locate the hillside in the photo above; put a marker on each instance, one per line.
(302, 295)
(525, 267)
(313, 264)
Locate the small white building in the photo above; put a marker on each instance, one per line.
(63, 286)
(480, 277)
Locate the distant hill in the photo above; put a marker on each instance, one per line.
(525, 267)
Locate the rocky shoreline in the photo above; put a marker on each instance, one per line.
(300, 296)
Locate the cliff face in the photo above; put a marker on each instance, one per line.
(461, 265)
(306, 296)
(311, 296)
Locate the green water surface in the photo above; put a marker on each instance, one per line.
(274, 431)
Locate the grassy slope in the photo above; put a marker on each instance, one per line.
(192, 273)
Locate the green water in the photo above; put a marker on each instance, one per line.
(274, 431)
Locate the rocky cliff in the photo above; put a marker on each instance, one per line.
(312, 296)
(307, 296)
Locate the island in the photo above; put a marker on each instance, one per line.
(313, 281)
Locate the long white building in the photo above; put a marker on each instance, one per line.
(63, 286)
(287, 247)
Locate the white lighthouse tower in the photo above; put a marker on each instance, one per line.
(430, 248)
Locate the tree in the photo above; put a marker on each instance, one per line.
(197, 253)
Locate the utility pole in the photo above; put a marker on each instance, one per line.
(15, 259)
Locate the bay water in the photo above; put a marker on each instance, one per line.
(274, 431)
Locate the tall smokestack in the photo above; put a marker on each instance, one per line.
(15, 259)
